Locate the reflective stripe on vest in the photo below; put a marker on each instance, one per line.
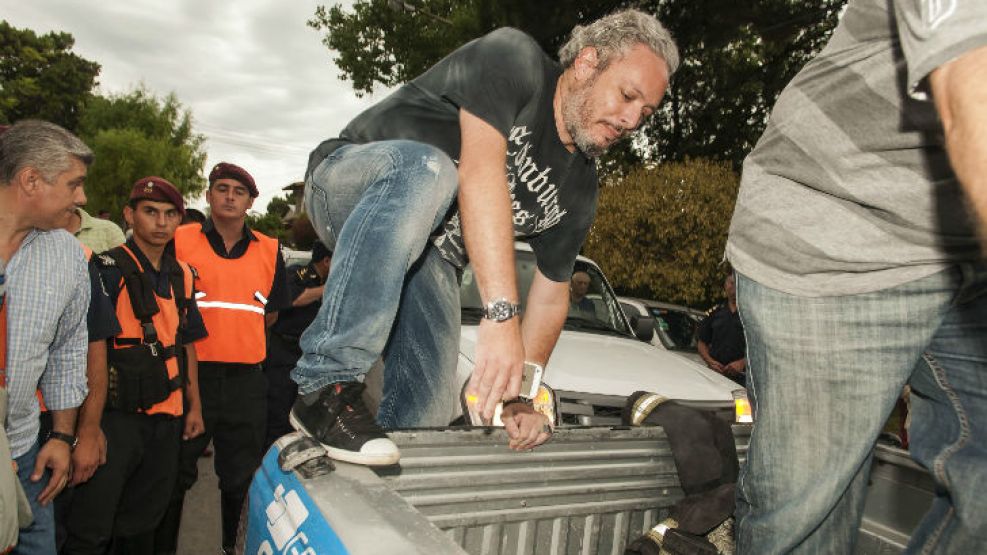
(231, 295)
(165, 322)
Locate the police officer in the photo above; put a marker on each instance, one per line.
(721, 337)
(240, 285)
(305, 282)
(152, 379)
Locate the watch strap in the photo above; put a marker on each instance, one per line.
(70, 439)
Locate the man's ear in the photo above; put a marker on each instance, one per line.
(586, 62)
(28, 180)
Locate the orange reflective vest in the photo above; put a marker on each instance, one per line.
(166, 323)
(231, 294)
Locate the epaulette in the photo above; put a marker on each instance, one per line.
(105, 260)
(713, 309)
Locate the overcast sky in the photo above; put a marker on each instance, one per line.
(261, 86)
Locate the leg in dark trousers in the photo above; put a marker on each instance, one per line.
(234, 408)
(282, 354)
(166, 536)
(127, 496)
(239, 442)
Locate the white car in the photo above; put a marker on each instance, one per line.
(598, 361)
(675, 326)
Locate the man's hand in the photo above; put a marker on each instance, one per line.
(57, 456)
(715, 366)
(194, 425)
(735, 368)
(526, 428)
(89, 454)
(499, 362)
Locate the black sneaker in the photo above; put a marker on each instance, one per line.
(336, 417)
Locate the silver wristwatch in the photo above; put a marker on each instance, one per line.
(500, 310)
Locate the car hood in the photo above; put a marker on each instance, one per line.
(612, 365)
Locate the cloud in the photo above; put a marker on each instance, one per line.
(260, 85)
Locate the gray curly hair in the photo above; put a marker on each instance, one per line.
(613, 34)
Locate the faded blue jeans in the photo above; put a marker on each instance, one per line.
(389, 292)
(824, 374)
(38, 538)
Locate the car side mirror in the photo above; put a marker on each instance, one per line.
(644, 327)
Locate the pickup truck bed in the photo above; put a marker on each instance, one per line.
(588, 491)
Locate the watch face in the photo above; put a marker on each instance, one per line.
(500, 311)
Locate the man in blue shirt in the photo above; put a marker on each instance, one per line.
(42, 171)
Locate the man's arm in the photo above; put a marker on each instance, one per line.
(485, 212)
(308, 296)
(544, 316)
(703, 349)
(56, 455)
(91, 450)
(960, 92)
(194, 425)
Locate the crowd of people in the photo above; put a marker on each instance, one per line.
(855, 230)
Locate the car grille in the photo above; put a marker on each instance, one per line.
(588, 409)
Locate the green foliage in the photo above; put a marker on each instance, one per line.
(41, 78)
(737, 56)
(279, 206)
(135, 135)
(269, 224)
(660, 231)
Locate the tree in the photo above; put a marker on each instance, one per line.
(661, 230)
(738, 55)
(272, 222)
(135, 135)
(41, 78)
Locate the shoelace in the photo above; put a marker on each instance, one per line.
(355, 418)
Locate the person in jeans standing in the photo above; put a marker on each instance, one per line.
(495, 142)
(47, 289)
(859, 269)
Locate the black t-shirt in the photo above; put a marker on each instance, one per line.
(505, 79)
(293, 321)
(102, 318)
(724, 333)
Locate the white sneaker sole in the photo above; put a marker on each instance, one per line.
(354, 457)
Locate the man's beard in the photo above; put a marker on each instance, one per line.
(577, 116)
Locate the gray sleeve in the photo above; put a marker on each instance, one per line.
(933, 33)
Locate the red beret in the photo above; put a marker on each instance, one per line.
(232, 171)
(157, 189)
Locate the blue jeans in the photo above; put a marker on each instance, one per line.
(824, 374)
(39, 537)
(389, 292)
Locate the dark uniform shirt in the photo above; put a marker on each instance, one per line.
(101, 318)
(278, 299)
(724, 334)
(293, 321)
(194, 329)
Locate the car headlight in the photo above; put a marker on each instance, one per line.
(743, 412)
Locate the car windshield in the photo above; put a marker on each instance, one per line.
(675, 329)
(592, 305)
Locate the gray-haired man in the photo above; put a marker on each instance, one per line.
(42, 170)
(494, 142)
